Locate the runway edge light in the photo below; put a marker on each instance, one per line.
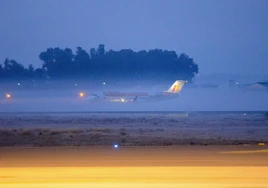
(8, 95)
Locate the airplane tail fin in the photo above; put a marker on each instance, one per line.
(176, 86)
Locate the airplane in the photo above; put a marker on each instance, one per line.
(126, 97)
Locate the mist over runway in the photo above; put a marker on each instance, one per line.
(66, 99)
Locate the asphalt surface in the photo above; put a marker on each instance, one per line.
(180, 166)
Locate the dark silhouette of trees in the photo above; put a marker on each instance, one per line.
(98, 63)
(13, 70)
(2, 72)
(81, 63)
(30, 71)
(58, 62)
(40, 73)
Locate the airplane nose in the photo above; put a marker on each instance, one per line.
(90, 98)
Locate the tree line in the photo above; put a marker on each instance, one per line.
(98, 63)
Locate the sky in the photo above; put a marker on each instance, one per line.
(222, 36)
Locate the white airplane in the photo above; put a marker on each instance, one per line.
(125, 97)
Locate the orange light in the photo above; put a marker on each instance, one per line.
(8, 96)
(81, 94)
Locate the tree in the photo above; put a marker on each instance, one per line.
(57, 62)
(60, 63)
(101, 50)
(39, 73)
(187, 67)
(82, 62)
(2, 72)
(13, 69)
(93, 53)
(30, 71)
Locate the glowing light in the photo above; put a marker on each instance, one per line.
(123, 100)
(116, 145)
(103, 83)
(81, 94)
(75, 84)
(8, 96)
(18, 84)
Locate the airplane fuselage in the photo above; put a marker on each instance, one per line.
(124, 97)
(136, 97)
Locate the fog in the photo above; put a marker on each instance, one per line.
(63, 96)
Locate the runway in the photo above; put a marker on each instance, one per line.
(101, 167)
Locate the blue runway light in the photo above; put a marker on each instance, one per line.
(115, 145)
